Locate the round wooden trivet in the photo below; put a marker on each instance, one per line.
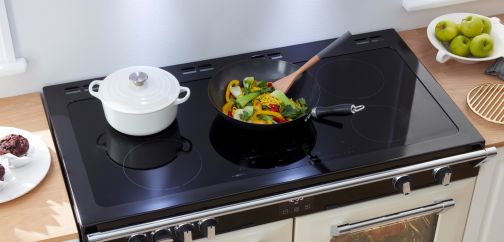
(487, 101)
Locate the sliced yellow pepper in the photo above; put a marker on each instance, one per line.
(259, 121)
(256, 120)
(227, 107)
(263, 112)
(254, 89)
(257, 105)
(228, 89)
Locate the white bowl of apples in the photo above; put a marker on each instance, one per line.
(466, 37)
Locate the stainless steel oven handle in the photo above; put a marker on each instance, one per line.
(354, 227)
(285, 197)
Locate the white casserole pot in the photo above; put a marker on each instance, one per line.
(139, 100)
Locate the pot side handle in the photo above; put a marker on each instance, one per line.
(185, 97)
(91, 88)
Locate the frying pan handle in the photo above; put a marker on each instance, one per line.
(323, 53)
(340, 109)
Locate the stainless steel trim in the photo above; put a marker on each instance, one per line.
(491, 152)
(357, 108)
(284, 197)
(354, 227)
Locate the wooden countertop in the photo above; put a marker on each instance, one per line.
(457, 79)
(45, 214)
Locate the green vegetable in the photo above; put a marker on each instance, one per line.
(264, 87)
(303, 104)
(236, 91)
(244, 114)
(243, 100)
(292, 111)
(265, 90)
(261, 84)
(265, 117)
(282, 97)
(248, 83)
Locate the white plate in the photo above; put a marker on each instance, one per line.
(27, 177)
(444, 54)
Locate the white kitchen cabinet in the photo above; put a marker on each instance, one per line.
(450, 222)
(280, 231)
(486, 217)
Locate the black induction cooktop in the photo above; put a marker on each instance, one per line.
(202, 161)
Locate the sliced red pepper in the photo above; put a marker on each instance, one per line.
(269, 84)
(230, 113)
(279, 120)
(274, 108)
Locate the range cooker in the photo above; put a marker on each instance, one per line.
(202, 176)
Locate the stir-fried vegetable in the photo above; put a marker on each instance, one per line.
(257, 102)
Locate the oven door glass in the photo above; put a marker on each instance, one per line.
(418, 229)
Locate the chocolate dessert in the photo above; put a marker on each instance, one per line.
(2, 172)
(14, 144)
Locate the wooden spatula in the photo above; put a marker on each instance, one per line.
(286, 82)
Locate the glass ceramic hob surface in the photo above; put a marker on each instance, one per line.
(201, 150)
(202, 160)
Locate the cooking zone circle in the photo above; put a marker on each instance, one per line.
(181, 170)
(388, 124)
(264, 149)
(350, 79)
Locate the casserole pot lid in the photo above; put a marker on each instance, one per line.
(139, 89)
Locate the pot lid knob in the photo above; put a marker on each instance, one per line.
(138, 78)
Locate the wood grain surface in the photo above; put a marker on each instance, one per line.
(43, 214)
(457, 79)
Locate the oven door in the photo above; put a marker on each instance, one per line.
(433, 214)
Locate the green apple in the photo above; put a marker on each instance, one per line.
(471, 26)
(460, 45)
(487, 25)
(446, 30)
(481, 45)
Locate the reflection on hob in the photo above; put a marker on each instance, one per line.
(144, 152)
(151, 161)
(269, 149)
(391, 127)
(399, 110)
(366, 79)
(169, 176)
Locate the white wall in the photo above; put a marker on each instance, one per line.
(69, 40)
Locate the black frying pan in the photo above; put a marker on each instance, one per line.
(271, 70)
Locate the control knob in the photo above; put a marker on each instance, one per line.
(162, 235)
(184, 232)
(402, 184)
(138, 238)
(442, 175)
(207, 227)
